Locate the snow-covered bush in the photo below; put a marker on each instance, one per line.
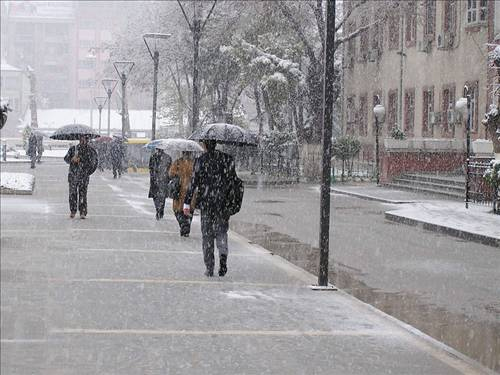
(492, 174)
(397, 133)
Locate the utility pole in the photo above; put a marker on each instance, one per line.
(329, 79)
(33, 107)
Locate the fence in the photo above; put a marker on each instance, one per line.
(479, 191)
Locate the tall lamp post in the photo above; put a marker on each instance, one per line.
(123, 69)
(100, 101)
(151, 41)
(463, 105)
(379, 113)
(109, 86)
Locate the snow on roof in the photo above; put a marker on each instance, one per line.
(4, 67)
(140, 120)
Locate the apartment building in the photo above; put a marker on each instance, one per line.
(416, 61)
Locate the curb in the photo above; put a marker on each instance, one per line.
(469, 236)
(371, 198)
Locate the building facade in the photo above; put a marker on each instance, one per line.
(416, 62)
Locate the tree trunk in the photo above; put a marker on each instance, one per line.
(270, 117)
(257, 108)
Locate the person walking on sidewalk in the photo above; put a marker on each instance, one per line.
(116, 153)
(213, 170)
(32, 149)
(39, 148)
(82, 160)
(159, 165)
(182, 169)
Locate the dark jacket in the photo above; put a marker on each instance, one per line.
(116, 152)
(86, 165)
(212, 171)
(32, 146)
(159, 165)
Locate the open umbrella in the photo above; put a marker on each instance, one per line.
(175, 145)
(103, 139)
(73, 132)
(223, 133)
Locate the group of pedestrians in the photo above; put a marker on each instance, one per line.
(208, 183)
(111, 155)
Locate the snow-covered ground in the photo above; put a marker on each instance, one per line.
(16, 183)
(477, 219)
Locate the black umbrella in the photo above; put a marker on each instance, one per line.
(73, 132)
(223, 133)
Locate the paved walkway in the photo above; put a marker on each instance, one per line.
(120, 293)
(477, 223)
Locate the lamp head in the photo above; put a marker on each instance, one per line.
(379, 112)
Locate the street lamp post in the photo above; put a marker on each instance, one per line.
(100, 101)
(109, 86)
(155, 55)
(123, 69)
(379, 112)
(463, 105)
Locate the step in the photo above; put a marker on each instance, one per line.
(426, 190)
(450, 180)
(430, 185)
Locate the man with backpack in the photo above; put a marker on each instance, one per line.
(219, 195)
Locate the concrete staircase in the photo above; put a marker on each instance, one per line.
(450, 186)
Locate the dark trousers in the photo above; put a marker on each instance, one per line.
(78, 195)
(33, 160)
(159, 201)
(184, 223)
(213, 228)
(117, 169)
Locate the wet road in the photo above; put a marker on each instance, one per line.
(444, 286)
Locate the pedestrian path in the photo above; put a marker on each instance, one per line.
(121, 293)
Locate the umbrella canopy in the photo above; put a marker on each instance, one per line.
(223, 133)
(38, 133)
(175, 145)
(73, 132)
(103, 139)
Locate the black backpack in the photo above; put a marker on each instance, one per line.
(234, 196)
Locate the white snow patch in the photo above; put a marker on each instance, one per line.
(21, 204)
(17, 182)
(232, 294)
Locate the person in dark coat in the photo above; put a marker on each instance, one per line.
(32, 147)
(159, 165)
(211, 174)
(82, 160)
(39, 148)
(116, 154)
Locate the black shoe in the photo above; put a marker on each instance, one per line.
(223, 265)
(209, 272)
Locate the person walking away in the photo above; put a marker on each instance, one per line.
(212, 172)
(82, 160)
(182, 169)
(32, 146)
(159, 165)
(116, 153)
(39, 148)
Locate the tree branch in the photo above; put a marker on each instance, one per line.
(318, 13)
(348, 14)
(299, 30)
(208, 16)
(185, 15)
(352, 35)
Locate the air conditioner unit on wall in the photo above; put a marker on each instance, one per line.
(441, 41)
(424, 46)
(452, 117)
(373, 55)
(434, 118)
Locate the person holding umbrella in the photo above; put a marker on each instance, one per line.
(219, 190)
(82, 160)
(32, 148)
(159, 165)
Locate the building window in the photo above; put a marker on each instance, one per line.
(86, 83)
(409, 121)
(430, 19)
(363, 114)
(477, 11)
(377, 37)
(364, 41)
(394, 31)
(447, 106)
(86, 64)
(351, 46)
(392, 110)
(411, 24)
(428, 111)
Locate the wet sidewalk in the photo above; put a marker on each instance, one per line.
(477, 223)
(120, 293)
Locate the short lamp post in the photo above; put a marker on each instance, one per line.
(151, 41)
(463, 105)
(109, 86)
(379, 113)
(100, 101)
(123, 69)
